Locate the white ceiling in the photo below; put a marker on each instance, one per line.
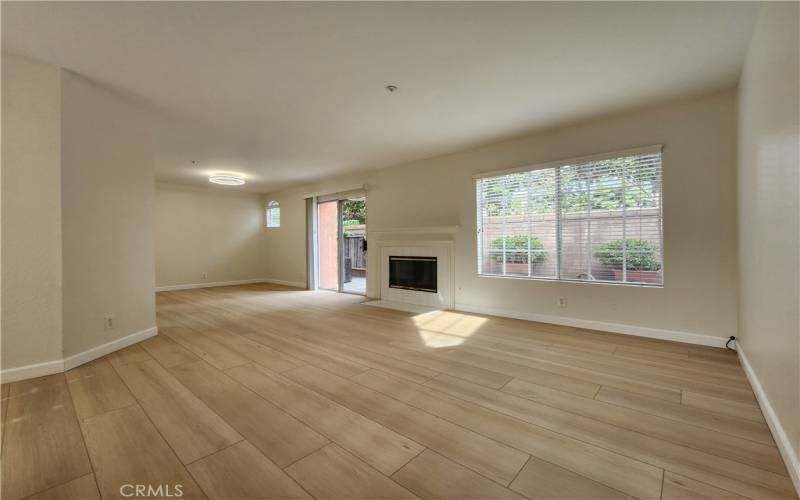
(292, 92)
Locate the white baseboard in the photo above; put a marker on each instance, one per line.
(107, 348)
(639, 331)
(61, 365)
(784, 442)
(188, 286)
(32, 371)
(293, 284)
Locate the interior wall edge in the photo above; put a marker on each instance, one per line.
(785, 446)
(107, 190)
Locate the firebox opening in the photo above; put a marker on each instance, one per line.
(413, 273)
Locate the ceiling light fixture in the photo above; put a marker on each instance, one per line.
(227, 179)
(391, 88)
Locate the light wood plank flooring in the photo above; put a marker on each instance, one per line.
(262, 391)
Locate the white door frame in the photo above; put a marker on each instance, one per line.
(340, 198)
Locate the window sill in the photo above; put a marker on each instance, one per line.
(583, 282)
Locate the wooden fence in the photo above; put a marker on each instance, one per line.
(353, 251)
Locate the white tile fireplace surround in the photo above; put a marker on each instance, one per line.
(442, 250)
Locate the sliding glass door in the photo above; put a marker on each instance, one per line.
(328, 244)
(354, 245)
(342, 245)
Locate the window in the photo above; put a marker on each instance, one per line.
(590, 219)
(273, 214)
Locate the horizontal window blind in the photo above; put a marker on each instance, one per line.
(592, 219)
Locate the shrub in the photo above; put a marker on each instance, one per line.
(354, 210)
(639, 255)
(518, 244)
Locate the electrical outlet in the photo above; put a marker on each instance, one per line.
(204, 276)
(562, 302)
(109, 322)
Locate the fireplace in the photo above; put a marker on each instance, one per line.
(417, 272)
(413, 273)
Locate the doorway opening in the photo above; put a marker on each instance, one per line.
(342, 244)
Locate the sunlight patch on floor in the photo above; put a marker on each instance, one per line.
(446, 328)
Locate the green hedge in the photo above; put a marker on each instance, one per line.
(639, 255)
(520, 244)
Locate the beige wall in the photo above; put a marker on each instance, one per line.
(285, 247)
(209, 231)
(107, 199)
(77, 217)
(699, 296)
(769, 161)
(31, 212)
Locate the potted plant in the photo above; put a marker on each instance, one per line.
(516, 252)
(640, 261)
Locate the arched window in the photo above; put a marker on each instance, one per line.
(273, 214)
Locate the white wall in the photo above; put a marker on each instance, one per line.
(699, 296)
(209, 231)
(107, 200)
(77, 217)
(31, 212)
(285, 247)
(769, 162)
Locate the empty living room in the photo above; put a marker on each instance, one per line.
(400, 250)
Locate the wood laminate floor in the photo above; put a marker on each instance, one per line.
(261, 391)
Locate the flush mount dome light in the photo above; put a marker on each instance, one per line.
(227, 179)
